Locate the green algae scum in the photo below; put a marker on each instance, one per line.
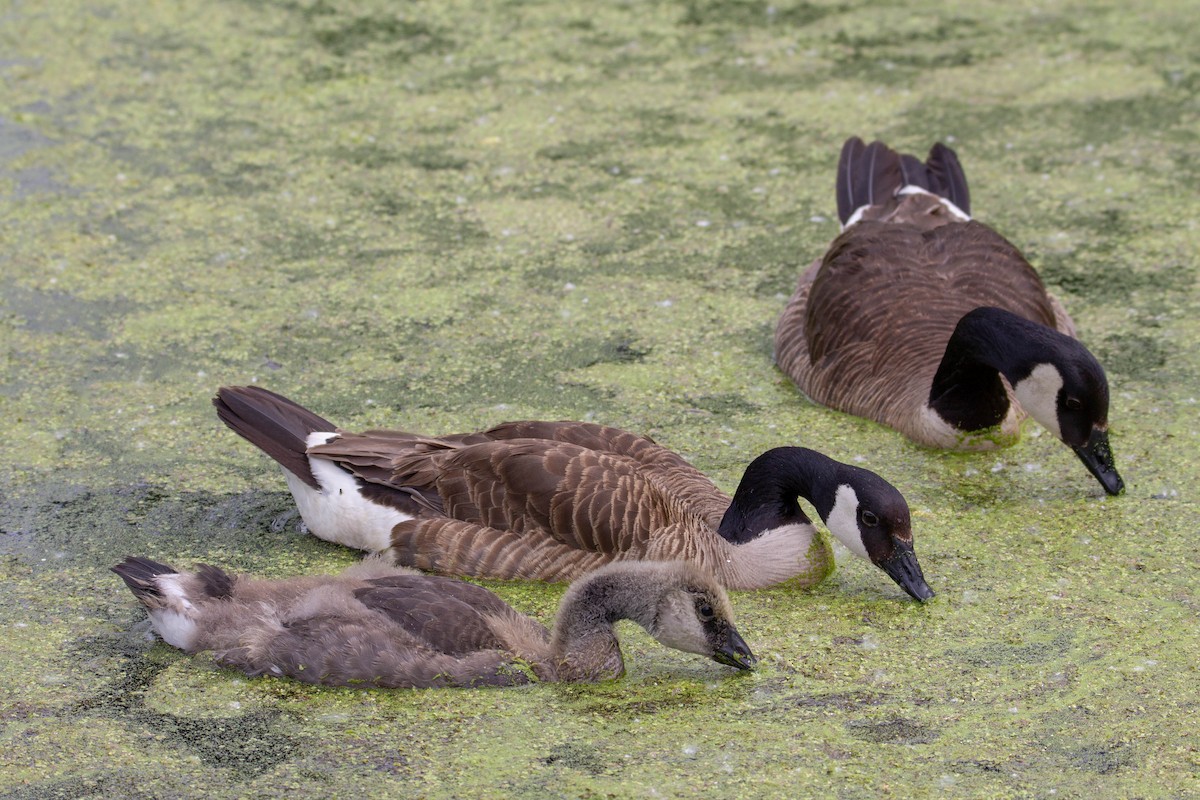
(441, 215)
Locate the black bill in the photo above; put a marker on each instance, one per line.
(734, 652)
(904, 569)
(1097, 456)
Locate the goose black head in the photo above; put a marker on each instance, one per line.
(865, 512)
(872, 519)
(1069, 396)
(1055, 378)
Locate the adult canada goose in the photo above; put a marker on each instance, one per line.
(924, 320)
(380, 625)
(553, 500)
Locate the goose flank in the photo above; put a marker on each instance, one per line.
(383, 626)
(922, 319)
(552, 500)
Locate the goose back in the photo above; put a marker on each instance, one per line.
(544, 508)
(373, 456)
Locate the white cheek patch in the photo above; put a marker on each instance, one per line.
(843, 521)
(1038, 395)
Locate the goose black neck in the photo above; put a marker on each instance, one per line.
(987, 342)
(767, 496)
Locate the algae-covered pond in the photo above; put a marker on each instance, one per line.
(441, 215)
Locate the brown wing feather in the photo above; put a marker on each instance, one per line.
(601, 438)
(529, 499)
(586, 499)
(370, 457)
(665, 467)
(433, 470)
(454, 547)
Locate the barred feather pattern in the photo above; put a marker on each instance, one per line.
(551, 509)
(543, 510)
(531, 499)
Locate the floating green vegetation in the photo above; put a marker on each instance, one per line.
(437, 216)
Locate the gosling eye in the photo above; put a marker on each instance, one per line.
(705, 612)
(1073, 403)
(869, 519)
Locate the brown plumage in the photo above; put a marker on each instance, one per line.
(924, 320)
(382, 626)
(553, 500)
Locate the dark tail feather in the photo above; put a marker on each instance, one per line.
(952, 182)
(870, 174)
(273, 424)
(217, 582)
(867, 175)
(139, 575)
(845, 195)
(914, 173)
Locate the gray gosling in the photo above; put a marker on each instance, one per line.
(377, 625)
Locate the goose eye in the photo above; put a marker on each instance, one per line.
(869, 519)
(1074, 403)
(705, 612)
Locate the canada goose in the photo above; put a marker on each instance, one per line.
(553, 500)
(916, 313)
(386, 626)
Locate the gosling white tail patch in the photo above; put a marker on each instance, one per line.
(176, 628)
(173, 621)
(171, 588)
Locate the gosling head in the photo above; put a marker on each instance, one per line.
(691, 612)
(871, 517)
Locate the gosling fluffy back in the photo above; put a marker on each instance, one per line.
(378, 625)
